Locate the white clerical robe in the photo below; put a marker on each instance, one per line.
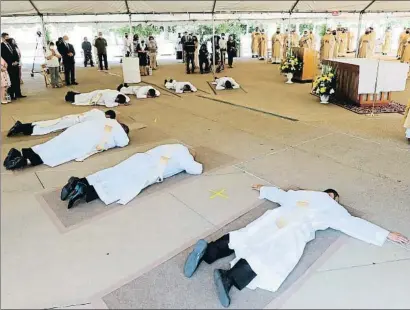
(125, 181)
(99, 97)
(81, 141)
(220, 83)
(46, 127)
(179, 86)
(139, 91)
(274, 243)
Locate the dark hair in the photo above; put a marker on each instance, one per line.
(332, 191)
(121, 99)
(4, 34)
(111, 114)
(126, 128)
(228, 85)
(152, 92)
(51, 43)
(119, 87)
(186, 88)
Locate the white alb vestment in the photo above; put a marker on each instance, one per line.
(274, 243)
(139, 91)
(126, 46)
(179, 86)
(220, 83)
(81, 141)
(126, 180)
(46, 127)
(99, 97)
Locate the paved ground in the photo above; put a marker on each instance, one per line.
(46, 264)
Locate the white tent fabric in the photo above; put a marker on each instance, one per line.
(31, 8)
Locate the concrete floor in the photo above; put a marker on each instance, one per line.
(365, 158)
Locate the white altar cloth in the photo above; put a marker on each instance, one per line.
(392, 75)
(131, 69)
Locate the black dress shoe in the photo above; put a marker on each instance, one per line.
(223, 285)
(21, 96)
(68, 188)
(15, 163)
(13, 153)
(77, 194)
(14, 130)
(74, 83)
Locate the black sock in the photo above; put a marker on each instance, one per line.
(90, 193)
(32, 156)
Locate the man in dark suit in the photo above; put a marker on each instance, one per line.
(11, 56)
(68, 53)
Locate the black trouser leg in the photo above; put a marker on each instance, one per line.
(223, 56)
(72, 73)
(26, 129)
(218, 249)
(32, 156)
(85, 59)
(230, 59)
(105, 61)
(100, 59)
(90, 193)
(201, 65)
(241, 274)
(91, 60)
(67, 74)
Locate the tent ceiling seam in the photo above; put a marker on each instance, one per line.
(213, 8)
(369, 5)
(128, 8)
(35, 8)
(293, 6)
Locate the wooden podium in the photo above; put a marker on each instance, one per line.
(309, 58)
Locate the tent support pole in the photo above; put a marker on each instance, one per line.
(130, 24)
(358, 34)
(213, 45)
(43, 26)
(289, 37)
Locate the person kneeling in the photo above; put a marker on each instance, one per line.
(125, 181)
(269, 248)
(108, 97)
(76, 143)
(45, 127)
(141, 92)
(179, 87)
(225, 83)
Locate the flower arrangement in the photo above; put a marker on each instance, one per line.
(325, 84)
(291, 64)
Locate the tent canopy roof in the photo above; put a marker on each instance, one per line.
(85, 7)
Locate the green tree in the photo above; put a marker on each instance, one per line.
(143, 31)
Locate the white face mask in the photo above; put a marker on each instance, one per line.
(52, 47)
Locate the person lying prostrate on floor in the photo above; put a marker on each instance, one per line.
(180, 87)
(45, 127)
(75, 143)
(108, 97)
(225, 83)
(125, 181)
(141, 92)
(270, 247)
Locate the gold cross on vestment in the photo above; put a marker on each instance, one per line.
(220, 193)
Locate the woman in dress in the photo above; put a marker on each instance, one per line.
(231, 49)
(135, 42)
(142, 50)
(5, 81)
(196, 55)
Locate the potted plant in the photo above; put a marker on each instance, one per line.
(324, 86)
(289, 66)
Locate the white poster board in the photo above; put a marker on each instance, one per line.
(131, 69)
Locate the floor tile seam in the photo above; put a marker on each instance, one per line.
(196, 212)
(363, 265)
